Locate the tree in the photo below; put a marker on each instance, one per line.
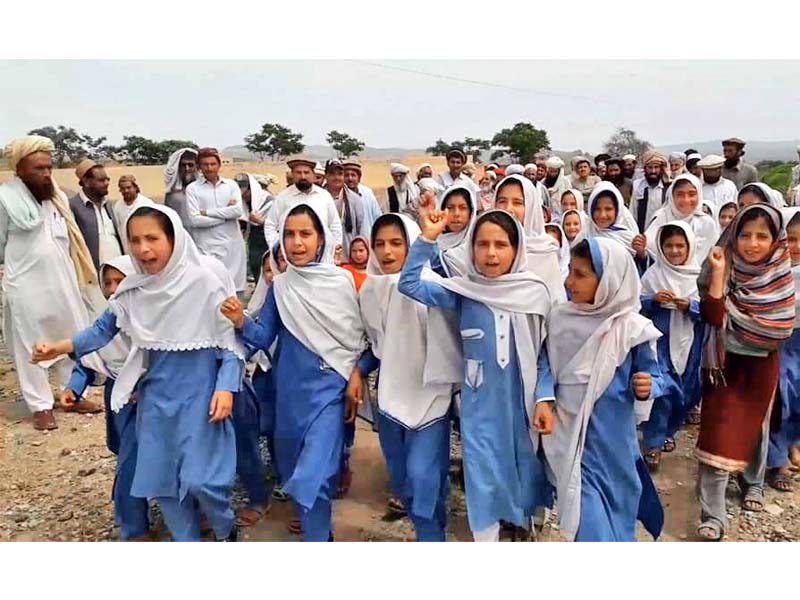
(275, 141)
(470, 146)
(440, 148)
(522, 142)
(71, 146)
(344, 144)
(624, 141)
(143, 151)
(473, 147)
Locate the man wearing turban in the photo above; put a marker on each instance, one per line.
(50, 286)
(650, 192)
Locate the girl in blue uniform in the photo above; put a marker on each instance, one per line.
(417, 373)
(313, 311)
(130, 513)
(459, 202)
(192, 365)
(602, 352)
(787, 402)
(671, 300)
(506, 389)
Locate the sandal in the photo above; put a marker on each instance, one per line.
(753, 499)
(295, 527)
(693, 418)
(669, 445)
(709, 531)
(279, 495)
(395, 505)
(780, 481)
(247, 516)
(653, 459)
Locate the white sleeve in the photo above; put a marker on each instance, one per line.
(193, 210)
(229, 213)
(271, 222)
(334, 222)
(3, 233)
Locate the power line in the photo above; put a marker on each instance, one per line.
(486, 83)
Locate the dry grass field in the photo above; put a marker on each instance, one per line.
(151, 178)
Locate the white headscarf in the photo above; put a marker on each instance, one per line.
(259, 198)
(624, 228)
(429, 184)
(563, 253)
(256, 302)
(682, 281)
(774, 197)
(116, 352)
(172, 180)
(174, 310)
(586, 344)
(453, 246)
(584, 226)
(541, 248)
(558, 208)
(422, 359)
(519, 292)
(706, 230)
(318, 304)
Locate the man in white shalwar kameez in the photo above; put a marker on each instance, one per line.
(214, 205)
(132, 198)
(49, 274)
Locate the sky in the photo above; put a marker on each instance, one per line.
(405, 103)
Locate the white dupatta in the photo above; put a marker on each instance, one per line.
(586, 343)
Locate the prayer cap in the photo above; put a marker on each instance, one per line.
(629, 157)
(292, 161)
(24, 146)
(241, 179)
(333, 165)
(693, 156)
(491, 167)
(456, 153)
(515, 169)
(319, 168)
(208, 152)
(734, 141)
(352, 164)
(129, 179)
(554, 162)
(711, 161)
(86, 165)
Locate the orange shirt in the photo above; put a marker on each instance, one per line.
(358, 276)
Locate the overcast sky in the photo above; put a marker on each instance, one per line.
(578, 103)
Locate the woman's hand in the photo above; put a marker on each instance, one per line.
(43, 351)
(233, 309)
(716, 259)
(682, 304)
(353, 396)
(642, 385)
(663, 296)
(433, 223)
(544, 419)
(221, 406)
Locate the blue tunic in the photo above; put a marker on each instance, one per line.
(616, 487)
(505, 479)
(788, 432)
(182, 450)
(309, 410)
(131, 514)
(679, 393)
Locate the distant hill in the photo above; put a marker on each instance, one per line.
(755, 151)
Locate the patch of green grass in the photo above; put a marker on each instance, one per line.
(776, 175)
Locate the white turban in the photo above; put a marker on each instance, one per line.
(554, 162)
(629, 157)
(531, 167)
(677, 156)
(515, 169)
(429, 184)
(19, 148)
(395, 168)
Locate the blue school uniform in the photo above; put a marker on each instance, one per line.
(247, 425)
(309, 420)
(130, 513)
(788, 431)
(418, 461)
(505, 478)
(616, 487)
(679, 393)
(191, 463)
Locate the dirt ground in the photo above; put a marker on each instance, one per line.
(151, 178)
(56, 486)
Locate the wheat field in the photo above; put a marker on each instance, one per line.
(151, 178)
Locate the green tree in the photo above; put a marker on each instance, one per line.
(144, 151)
(474, 146)
(624, 141)
(275, 141)
(71, 146)
(344, 144)
(521, 142)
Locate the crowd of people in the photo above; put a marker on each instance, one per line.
(565, 325)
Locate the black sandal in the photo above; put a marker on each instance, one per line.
(669, 445)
